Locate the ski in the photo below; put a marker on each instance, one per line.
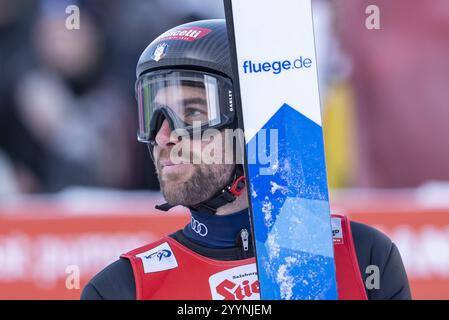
(273, 50)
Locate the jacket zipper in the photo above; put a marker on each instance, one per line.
(244, 234)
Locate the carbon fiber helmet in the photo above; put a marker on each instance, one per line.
(200, 45)
(195, 54)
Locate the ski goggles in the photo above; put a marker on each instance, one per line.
(188, 100)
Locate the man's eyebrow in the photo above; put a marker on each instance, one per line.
(184, 102)
(200, 101)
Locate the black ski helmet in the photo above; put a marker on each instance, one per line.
(199, 45)
(190, 53)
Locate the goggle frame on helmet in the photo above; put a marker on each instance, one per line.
(148, 126)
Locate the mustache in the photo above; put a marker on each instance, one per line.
(165, 157)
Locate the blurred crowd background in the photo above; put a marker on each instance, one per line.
(68, 115)
(67, 109)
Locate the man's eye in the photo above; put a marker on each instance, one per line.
(192, 112)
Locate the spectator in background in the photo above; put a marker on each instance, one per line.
(17, 145)
(66, 95)
(73, 108)
(65, 116)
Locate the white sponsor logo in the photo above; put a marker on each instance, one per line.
(185, 34)
(239, 283)
(337, 233)
(198, 227)
(158, 259)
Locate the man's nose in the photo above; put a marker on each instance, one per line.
(163, 136)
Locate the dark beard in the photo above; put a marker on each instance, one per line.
(207, 179)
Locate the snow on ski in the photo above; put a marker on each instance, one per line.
(274, 58)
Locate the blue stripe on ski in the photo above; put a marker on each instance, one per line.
(291, 210)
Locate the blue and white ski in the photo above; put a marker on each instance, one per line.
(277, 87)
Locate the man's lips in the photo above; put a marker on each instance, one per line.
(169, 163)
(168, 167)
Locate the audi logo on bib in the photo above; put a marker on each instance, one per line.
(198, 227)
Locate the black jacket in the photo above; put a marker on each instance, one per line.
(116, 282)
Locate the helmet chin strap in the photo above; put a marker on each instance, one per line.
(226, 195)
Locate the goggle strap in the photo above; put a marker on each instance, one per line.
(164, 206)
(226, 195)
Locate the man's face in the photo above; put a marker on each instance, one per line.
(187, 183)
